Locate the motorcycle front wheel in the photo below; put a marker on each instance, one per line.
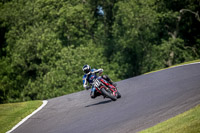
(108, 94)
(118, 95)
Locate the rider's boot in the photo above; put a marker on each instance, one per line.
(109, 80)
(113, 83)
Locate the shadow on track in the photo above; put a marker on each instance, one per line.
(102, 102)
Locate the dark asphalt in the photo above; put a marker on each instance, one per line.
(146, 100)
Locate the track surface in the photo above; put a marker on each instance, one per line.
(146, 100)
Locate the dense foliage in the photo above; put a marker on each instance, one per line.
(45, 43)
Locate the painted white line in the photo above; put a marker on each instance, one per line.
(26, 118)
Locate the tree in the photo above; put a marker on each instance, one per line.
(133, 31)
(177, 25)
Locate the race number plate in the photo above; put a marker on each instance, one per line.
(96, 83)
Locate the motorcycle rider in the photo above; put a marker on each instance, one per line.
(89, 76)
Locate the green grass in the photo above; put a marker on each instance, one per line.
(194, 61)
(187, 122)
(12, 113)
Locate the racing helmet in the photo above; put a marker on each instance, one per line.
(86, 69)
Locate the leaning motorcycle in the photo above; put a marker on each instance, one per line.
(106, 89)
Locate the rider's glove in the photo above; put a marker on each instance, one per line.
(87, 87)
(100, 71)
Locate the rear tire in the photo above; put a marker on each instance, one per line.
(108, 94)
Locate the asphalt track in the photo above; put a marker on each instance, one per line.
(146, 100)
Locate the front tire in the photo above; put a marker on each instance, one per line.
(108, 94)
(118, 95)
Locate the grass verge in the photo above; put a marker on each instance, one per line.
(187, 122)
(12, 113)
(194, 61)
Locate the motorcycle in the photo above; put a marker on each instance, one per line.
(106, 89)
